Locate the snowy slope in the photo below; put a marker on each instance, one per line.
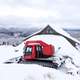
(32, 72)
(27, 72)
(68, 71)
(8, 52)
(35, 72)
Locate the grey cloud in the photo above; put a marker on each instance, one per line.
(26, 3)
(69, 11)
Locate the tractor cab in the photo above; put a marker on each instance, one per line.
(33, 51)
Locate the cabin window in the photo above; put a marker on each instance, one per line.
(28, 50)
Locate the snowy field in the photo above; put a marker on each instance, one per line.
(32, 72)
(68, 71)
(28, 72)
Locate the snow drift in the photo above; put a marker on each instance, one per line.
(32, 72)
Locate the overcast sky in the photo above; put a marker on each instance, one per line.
(20, 13)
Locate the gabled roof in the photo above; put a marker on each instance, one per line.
(48, 30)
(53, 31)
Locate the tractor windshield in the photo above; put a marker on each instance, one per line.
(27, 50)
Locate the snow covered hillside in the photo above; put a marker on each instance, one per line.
(69, 70)
(36, 72)
(29, 72)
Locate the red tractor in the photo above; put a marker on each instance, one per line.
(37, 49)
(38, 52)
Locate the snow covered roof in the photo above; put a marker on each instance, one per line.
(55, 30)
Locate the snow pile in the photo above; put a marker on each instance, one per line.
(31, 72)
(69, 67)
(8, 52)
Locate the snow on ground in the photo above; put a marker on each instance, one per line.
(68, 71)
(8, 52)
(32, 72)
